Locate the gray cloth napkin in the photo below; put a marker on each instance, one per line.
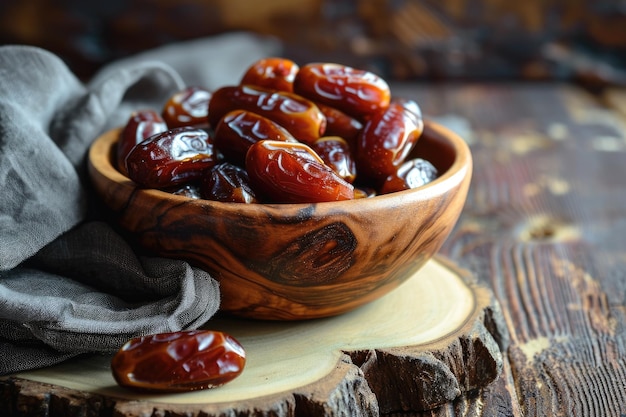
(69, 282)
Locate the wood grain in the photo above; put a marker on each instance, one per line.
(296, 261)
(355, 364)
(545, 226)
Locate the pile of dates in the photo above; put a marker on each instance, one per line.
(284, 134)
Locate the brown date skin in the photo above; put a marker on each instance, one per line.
(355, 92)
(273, 73)
(187, 107)
(409, 104)
(411, 174)
(140, 126)
(239, 129)
(385, 142)
(284, 172)
(228, 183)
(335, 152)
(301, 117)
(178, 361)
(340, 124)
(187, 190)
(174, 157)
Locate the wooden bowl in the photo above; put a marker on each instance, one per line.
(296, 261)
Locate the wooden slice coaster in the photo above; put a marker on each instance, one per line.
(437, 336)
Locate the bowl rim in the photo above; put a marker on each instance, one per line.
(460, 168)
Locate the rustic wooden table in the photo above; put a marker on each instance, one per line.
(544, 228)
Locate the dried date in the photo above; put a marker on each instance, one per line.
(229, 183)
(239, 129)
(410, 105)
(411, 174)
(354, 91)
(273, 73)
(385, 142)
(140, 126)
(372, 134)
(335, 152)
(340, 124)
(301, 117)
(188, 107)
(293, 173)
(187, 190)
(171, 158)
(178, 361)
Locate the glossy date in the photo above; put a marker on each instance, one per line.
(340, 124)
(386, 140)
(342, 132)
(229, 183)
(411, 174)
(335, 152)
(239, 129)
(354, 91)
(178, 361)
(273, 73)
(140, 126)
(301, 117)
(171, 158)
(286, 172)
(188, 107)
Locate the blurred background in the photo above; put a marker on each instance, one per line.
(578, 41)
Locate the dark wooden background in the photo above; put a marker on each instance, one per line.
(545, 221)
(582, 41)
(545, 227)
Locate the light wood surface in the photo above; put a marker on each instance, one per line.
(434, 331)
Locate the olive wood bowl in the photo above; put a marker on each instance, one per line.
(296, 261)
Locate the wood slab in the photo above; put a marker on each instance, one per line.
(436, 337)
(544, 226)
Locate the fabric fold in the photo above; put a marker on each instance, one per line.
(70, 283)
(48, 119)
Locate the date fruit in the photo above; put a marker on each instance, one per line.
(178, 361)
(301, 117)
(140, 126)
(229, 183)
(354, 91)
(284, 134)
(411, 174)
(187, 190)
(284, 172)
(340, 124)
(410, 105)
(188, 107)
(171, 158)
(335, 152)
(385, 142)
(273, 73)
(239, 129)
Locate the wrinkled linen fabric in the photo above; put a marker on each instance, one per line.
(69, 281)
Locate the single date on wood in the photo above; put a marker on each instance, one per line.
(178, 361)
(437, 336)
